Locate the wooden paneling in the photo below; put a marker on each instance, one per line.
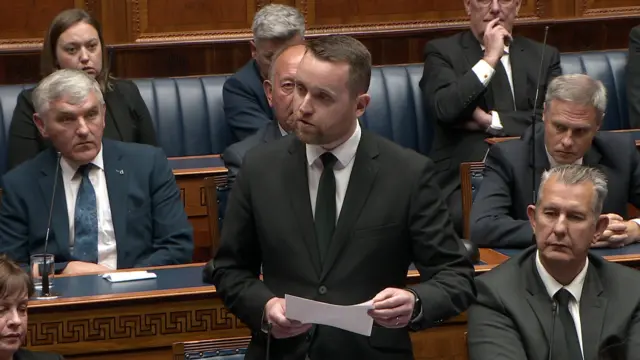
(159, 38)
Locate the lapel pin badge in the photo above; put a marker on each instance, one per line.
(121, 172)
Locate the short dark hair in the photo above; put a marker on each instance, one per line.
(345, 49)
(13, 280)
(60, 24)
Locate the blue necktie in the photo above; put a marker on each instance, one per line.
(85, 246)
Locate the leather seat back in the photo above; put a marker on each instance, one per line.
(396, 110)
(188, 114)
(608, 67)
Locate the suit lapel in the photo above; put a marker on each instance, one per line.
(538, 297)
(593, 305)
(116, 114)
(518, 60)
(362, 178)
(116, 174)
(272, 132)
(296, 173)
(592, 157)
(59, 216)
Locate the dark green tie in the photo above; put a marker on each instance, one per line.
(325, 216)
(568, 325)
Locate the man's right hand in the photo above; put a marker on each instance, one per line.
(493, 40)
(79, 267)
(281, 327)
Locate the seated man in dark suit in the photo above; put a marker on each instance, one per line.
(245, 104)
(279, 90)
(116, 204)
(555, 300)
(633, 78)
(478, 84)
(573, 112)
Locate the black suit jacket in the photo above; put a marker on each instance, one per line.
(24, 354)
(452, 91)
(499, 211)
(386, 222)
(149, 221)
(245, 104)
(127, 119)
(512, 318)
(633, 78)
(234, 154)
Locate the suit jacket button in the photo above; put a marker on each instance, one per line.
(322, 290)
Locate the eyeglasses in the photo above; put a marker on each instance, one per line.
(489, 2)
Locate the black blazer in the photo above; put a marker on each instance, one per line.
(24, 354)
(499, 211)
(234, 154)
(127, 119)
(245, 104)
(512, 318)
(633, 78)
(386, 222)
(452, 91)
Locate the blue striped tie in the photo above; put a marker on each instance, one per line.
(85, 246)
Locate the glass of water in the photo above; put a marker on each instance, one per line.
(37, 269)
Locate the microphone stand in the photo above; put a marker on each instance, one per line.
(533, 117)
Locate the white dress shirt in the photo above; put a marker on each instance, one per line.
(345, 153)
(485, 72)
(575, 288)
(107, 255)
(282, 131)
(553, 163)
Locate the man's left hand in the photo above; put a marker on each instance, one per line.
(392, 308)
(618, 234)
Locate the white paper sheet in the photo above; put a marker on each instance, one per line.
(352, 318)
(129, 276)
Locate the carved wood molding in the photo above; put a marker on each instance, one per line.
(110, 325)
(626, 10)
(90, 5)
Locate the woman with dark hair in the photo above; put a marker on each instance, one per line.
(15, 290)
(74, 41)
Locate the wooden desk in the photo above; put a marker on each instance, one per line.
(190, 172)
(635, 134)
(95, 319)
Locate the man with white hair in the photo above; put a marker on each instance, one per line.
(555, 300)
(573, 112)
(246, 107)
(116, 204)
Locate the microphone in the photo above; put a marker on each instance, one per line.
(269, 326)
(553, 330)
(533, 115)
(45, 274)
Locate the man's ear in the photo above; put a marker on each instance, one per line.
(254, 50)
(531, 213)
(362, 103)
(40, 125)
(601, 226)
(467, 6)
(268, 91)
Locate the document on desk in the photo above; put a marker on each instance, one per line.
(352, 318)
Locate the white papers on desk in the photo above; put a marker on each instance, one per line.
(352, 318)
(129, 276)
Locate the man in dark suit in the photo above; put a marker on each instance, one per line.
(116, 204)
(245, 105)
(481, 83)
(279, 90)
(633, 78)
(573, 112)
(328, 218)
(555, 300)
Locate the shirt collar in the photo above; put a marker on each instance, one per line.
(552, 285)
(553, 163)
(283, 132)
(344, 152)
(71, 168)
